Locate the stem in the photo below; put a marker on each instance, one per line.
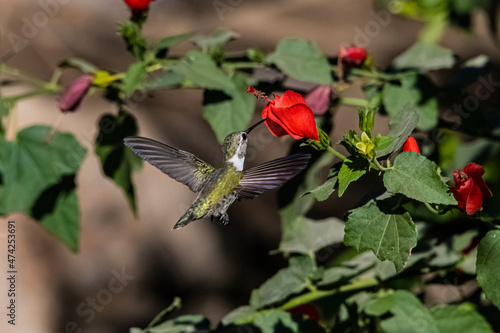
(17, 73)
(354, 101)
(336, 153)
(430, 208)
(380, 166)
(313, 296)
(31, 94)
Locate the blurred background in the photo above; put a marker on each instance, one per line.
(135, 266)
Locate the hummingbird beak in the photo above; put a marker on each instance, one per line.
(254, 125)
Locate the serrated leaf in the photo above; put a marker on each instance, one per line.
(294, 205)
(312, 235)
(239, 315)
(38, 180)
(134, 77)
(172, 40)
(352, 169)
(280, 321)
(425, 57)
(459, 318)
(389, 236)
(118, 162)
(58, 211)
(33, 163)
(415, 92)
(163, 80)
(220, 37)
(230, 115)
(302, 60)
(488, 261)
(182, 324)
(323, 191)
(400, 128)
(416, 177)
(284, 283)
(201, 70)
(409, 315)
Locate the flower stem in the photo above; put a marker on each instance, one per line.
(430, 208)
(17, 73)
(336, 153)
(353, 101)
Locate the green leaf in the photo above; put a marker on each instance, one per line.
(294, 206)
(286, 282)
(80, 64)
(38, 180)
(239, 315)
(323, 191)
(460, 318)
(228, 115)
(220, 37)
(33, 163)
(312, 235)
(58, 211)
(182, 324)
(118, 162)
(302, 60)
(400, 128)
(163, 80)
(425, 57)
(352, 169)
(134, 77)
(200, 70)
(162, 316)
(416, 177)
(348, 269)
(414, 92)
(389, 236)
(280, 321)
(172, 40)
(488, 261)
(409, 315)
(131, 33)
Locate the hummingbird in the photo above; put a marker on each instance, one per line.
(217, 188)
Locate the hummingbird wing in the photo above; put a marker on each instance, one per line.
(178, 164)
(270, 175)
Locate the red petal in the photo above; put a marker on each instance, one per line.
(298, 121)
(289, 99)
(474, 199)
(476, 172)
(411, 145)
(461, 193)
(275, 128)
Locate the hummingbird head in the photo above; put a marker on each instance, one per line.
(234, 149)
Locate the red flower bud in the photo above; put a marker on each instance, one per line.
(138, 6)
(72, 97)
(352, 56)
(308, 310)
(470, 188)
(289, 114)
(318, 99)
(411, 145)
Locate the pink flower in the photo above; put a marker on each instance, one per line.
(318, 99)
(72, 97)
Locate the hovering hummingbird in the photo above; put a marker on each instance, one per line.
(218, 188)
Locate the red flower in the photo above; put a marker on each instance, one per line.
(289, 114)
(470, 188)
(308, 310)
(72, 97)
(411, 145)
(318, 99)
(352, 56)
(138, 6)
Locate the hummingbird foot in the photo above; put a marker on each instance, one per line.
(224, 218)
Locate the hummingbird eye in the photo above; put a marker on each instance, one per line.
(244, 135)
